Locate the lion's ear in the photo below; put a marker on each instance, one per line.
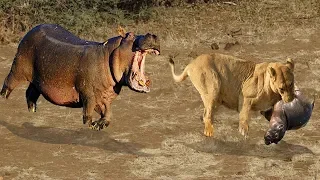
(121, 31)
(272, 72)
(290, 64)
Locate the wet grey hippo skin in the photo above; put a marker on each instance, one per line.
(69, 71)
(287, 116)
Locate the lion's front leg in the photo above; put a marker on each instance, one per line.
(208, 127)
(245, 118)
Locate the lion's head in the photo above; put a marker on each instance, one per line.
(282, 79)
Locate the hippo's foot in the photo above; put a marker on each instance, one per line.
(4, 93)
(32, 107)
(267, 114)
(244, 129)
(98, 125)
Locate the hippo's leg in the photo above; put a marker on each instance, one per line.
(88, 108)
(267, 114)
(20, 72)
(32, 95)
(105, 112)
(9, 84)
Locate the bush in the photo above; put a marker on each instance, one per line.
(84, 17)
(80, 16)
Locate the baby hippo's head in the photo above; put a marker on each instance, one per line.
(275, 133)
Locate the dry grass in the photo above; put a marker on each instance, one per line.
(181, 25)
(258, 21)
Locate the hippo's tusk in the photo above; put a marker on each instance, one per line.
(156, 52)
(141, 83)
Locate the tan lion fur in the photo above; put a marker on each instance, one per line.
(238, 84)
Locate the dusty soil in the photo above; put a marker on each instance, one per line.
(159, 135)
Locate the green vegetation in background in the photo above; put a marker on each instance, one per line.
(82, 17)
(205, 19)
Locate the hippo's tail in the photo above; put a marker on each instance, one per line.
(182, 76)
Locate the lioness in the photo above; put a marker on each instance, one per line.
(238, 84)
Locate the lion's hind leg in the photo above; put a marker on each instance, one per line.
(208, 85)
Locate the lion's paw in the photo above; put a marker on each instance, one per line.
(244, 129)
(208, 130)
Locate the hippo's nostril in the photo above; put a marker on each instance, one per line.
(267, 138)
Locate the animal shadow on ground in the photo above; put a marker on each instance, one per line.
(282, 151)
(84, 137)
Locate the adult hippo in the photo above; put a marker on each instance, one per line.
(287, 116)
(69, 71)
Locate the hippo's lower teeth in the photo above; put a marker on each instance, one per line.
(141, 83)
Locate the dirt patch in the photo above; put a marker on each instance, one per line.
(162, 137)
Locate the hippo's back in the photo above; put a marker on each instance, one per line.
(297, 112)
(58, 33)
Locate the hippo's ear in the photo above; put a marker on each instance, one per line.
(121, 31)
(290, 64)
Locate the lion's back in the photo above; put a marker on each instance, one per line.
(230, 71)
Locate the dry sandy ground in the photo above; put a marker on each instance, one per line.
(159, 135)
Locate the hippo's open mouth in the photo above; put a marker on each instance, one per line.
(138, 81)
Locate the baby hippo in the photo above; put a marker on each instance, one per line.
(287, 116)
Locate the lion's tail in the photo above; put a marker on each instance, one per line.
(182, 76)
